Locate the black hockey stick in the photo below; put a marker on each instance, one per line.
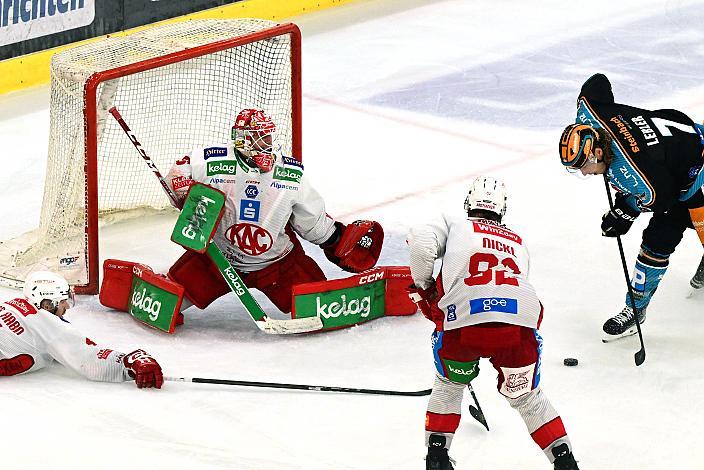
(476, 411)
(314, 388)
(640, 355)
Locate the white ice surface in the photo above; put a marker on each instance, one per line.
(404, 102)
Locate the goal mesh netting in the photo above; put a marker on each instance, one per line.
(177, 86)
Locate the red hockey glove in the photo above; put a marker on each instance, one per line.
(424, 298)
(357, 246)
(144, 369)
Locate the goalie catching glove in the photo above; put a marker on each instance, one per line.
(355, 247)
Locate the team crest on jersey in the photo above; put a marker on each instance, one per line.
(249, 238)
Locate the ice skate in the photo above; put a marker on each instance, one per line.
(622, 325)
(697, 281)
(437, 458)
(564, 460)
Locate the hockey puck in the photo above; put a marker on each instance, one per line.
(570, 361)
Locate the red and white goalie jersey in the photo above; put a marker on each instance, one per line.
(259, 205)
(484, 273)
(31, 339)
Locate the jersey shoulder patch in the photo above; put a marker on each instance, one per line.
(22, 306)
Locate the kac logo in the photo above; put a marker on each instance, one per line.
(250, 239)
(249, 210)
(251, 191)
(451, 315)
(493, 304)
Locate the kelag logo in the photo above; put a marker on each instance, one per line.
(222, 167)
(287, 174)
(493, 304)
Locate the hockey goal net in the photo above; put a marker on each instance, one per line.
(177, 86)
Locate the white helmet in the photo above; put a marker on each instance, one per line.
(42, 285)
(488, 194)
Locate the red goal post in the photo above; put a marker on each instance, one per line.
(178, 86)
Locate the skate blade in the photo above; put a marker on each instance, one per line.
(607, 338)
(694, 292)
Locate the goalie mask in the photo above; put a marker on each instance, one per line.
(487, 194)
(253, 136)
(45, 285)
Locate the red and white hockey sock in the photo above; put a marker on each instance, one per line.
(543, 423)
(444, 409)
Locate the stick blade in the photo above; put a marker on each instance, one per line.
(640, 357)
(288, 327)
(478, 415)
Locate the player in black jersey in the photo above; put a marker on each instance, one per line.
(654, 160)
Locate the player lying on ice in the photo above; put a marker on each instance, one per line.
(482, 305)
(269, 203)
(34, 332)
(654, 160)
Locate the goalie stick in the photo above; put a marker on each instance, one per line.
(233, 279)
(313, 388)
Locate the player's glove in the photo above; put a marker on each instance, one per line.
(618, 220)
(424, 298)
(144, 369)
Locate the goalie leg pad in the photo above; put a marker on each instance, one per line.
(156, 300)
(200, 278)
(356, 299)
(117, 283)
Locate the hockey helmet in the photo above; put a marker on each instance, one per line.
(577, 145)
(45, 285)
(488, 194)
(253, 136)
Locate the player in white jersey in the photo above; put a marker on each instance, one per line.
(33, 333)
(269, 202)
(482, 305)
